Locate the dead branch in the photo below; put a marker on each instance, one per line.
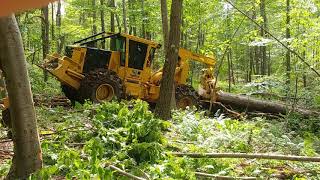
(120, 171)
(248, 156)
(234, 113)
(222, 177)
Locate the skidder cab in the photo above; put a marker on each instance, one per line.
(90, 71)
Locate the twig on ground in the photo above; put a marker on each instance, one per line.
(248, 156)
(120, 171)
(222, 177)
(66, 129)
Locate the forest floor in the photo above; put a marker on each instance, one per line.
(88, 141)
(127, 136)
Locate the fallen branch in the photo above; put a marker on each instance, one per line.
(65, 129)
(222, 177)
(120, 171)
(234, 113)
(247, 156)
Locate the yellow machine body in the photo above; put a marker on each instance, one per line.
(139, 82)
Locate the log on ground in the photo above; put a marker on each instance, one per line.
(251, 104)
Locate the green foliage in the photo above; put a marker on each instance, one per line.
(124, 134)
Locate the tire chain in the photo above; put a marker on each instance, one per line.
(96, 77)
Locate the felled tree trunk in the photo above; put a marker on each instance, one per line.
(250, 104)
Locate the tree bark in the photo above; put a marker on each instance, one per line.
(124, 16)
(52, 22)
(132, 18)
(94, 17)
(112, 24)
(58, 24)
(143, 24)
(112, 16)
(27, 153)
(103, 28)
(288, 36)
(163, 108)
(229, 71)
(165, 28)
(45, 37)
(263, 48)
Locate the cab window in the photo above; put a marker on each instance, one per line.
(137, 54)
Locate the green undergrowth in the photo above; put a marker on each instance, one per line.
(84, 141)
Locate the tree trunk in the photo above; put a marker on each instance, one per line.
(304, 76)
(182, 33)
(124, 16)
(52, 22)
(103, 28)
(165, 28)
(165, 32)
(251, 64)
(263, 49)
(94, 17)
(58, 24)
(45, 37)
(163, 108)
(132, 18)
(288, 36)
(229, 71)
(27, 153)
(112, 24)
(269, 62)
(143, 25)
(118, 23)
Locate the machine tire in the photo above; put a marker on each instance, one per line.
(71, 93)
(186, 96)
(101, 85)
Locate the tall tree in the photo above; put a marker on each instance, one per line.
(163, 108)
(45, 36)
(124, 16)
(58, 24)
(27, 153)
(52, 22)
(103, 43)
(94, 17)
(165, 28)
(263, 48)
(132, 18)
(112, 16)
(288, 36)
(112, 24)
(143, 24)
